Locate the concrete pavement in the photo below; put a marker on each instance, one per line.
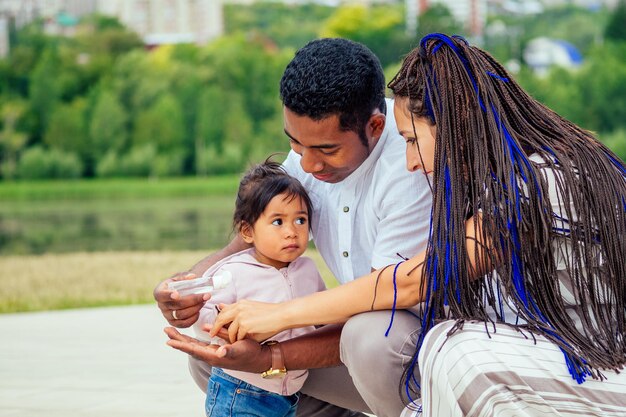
(95, 362)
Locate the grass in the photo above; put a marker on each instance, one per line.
(117, 188)
(62, 281)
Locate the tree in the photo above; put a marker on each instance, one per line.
(12, 141)
(437, 18)
(380, 28)
(66, 129)
(616, 28)
(107, 127)
(162, 127)
(44, 92)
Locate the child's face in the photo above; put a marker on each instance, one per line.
(281, 233)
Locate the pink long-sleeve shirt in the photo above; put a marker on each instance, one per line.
(256, 281)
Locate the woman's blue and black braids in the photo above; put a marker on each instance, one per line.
(487, 127)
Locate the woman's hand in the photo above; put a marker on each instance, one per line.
(249, 319)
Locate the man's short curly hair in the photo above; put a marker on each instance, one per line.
(335, 76)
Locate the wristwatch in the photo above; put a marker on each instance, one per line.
(278, 369)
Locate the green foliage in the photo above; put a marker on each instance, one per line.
(438, 19)
(138, 161)
(593, 97)
(116, 189)
(160, 124)
(66, 128)
(12, 140)
(616, 141)
(45, 90)
(283, 25)
(616, 27)
(200, 110)
(380, 28)
(579, 26)
(107, 128)
(39, 163)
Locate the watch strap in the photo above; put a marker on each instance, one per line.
(278, 369)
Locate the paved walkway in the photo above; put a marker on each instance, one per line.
(95, 362)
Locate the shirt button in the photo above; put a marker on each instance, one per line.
(346, 209)
(345, 254)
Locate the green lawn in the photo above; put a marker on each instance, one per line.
(117, 188)
(72, 280)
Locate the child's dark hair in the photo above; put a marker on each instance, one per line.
(259, 185)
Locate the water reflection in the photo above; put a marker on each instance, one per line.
(155, 224)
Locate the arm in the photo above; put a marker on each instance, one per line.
(317, 349)
(188, 308)
(371, 292)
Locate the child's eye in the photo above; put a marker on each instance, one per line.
(277, 222)
(301, 220)
(411, 141)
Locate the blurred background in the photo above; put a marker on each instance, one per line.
(124, 124)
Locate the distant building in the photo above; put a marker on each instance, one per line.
(168, 21)
(542, 53)
(4, 36)
(25, 11)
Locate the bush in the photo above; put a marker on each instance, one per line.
(108, 166)
(210, 162)
(39, 163)
(616, 141)
(138, 162)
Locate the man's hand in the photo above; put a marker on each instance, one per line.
(179, 311)
(245, 355)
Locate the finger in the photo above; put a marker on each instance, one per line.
(233, 330)
(223, 351)
(222, 333)
(241, 333)
(205, 352)
(184, 302)
(224, 318)
(174, 334)
(182, 276)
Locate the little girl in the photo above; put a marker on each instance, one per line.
(272, 214)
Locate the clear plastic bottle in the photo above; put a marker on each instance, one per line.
(201, 285)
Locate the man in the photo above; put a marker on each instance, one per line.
(369, 211)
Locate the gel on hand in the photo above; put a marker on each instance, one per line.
(202, 285)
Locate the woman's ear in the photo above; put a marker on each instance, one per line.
(246, 232)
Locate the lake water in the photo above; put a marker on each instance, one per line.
(171, 223)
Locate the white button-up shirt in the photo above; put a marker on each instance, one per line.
(377, 212)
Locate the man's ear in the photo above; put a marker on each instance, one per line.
(375, 125)
(246, 232)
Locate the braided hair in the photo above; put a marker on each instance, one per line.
(487, 129)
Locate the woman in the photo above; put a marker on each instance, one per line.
(528, 239)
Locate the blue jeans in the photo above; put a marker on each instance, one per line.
(228, 396)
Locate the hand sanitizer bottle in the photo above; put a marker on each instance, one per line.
(202, 285)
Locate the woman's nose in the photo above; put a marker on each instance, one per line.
(412, 165)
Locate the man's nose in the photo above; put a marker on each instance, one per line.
(310, 162)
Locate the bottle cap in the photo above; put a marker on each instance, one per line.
(222, 280)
